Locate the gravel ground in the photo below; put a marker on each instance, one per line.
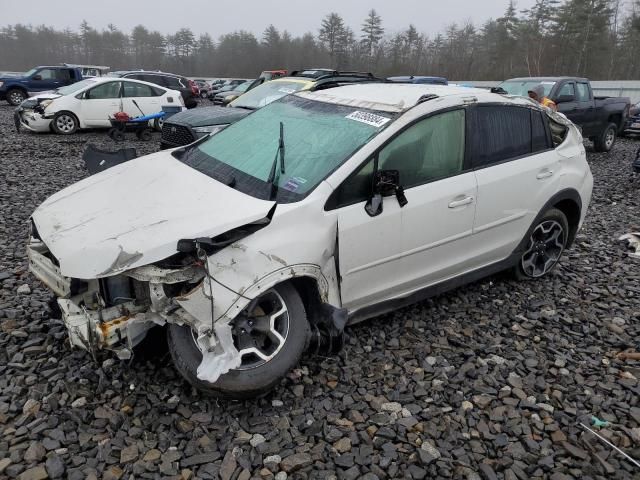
(489, 381)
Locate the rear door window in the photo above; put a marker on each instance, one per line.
(65, 74)
(172, 82)
(132, 89)
(500, 133)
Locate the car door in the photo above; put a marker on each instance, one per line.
(66, 76)
(100, 103)
(146, 98)
(44, 79)
(586, 105)
(405, 248)
(516, 169)
(570, 107)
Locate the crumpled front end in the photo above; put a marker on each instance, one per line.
(33, 119)
(115, 313)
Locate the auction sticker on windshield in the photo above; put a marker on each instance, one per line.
(368, 118)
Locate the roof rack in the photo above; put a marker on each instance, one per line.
(322, 73)
(426, 98)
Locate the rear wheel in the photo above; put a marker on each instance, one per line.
(607, 138)
(544, 247)
(144, 135)
(270, 340)
(64, 123)
(16, 96)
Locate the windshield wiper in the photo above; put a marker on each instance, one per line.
(271, 181)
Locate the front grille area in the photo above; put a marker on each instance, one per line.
(177, 135)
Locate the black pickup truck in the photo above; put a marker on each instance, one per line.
(601, 118)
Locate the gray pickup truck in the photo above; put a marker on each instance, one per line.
(601, 118)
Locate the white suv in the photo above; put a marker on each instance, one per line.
(319, 209)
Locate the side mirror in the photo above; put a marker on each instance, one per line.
(386, 183)
(565, 99)
(36, 77)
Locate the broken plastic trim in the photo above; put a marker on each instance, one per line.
(215, 244)
(327, 333)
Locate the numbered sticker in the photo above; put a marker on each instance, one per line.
(368, 118)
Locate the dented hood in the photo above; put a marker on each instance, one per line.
(134, 214)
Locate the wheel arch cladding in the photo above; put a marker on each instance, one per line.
(572, 211)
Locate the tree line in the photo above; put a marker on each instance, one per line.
(593, 38)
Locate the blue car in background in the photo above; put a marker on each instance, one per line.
(419, 79)
(15, 89)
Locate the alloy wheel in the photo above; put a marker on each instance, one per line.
(65, 123)
(544, 249)
(610, 138)
(260, 332)
(16, 97)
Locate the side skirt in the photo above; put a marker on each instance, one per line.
(433, 290)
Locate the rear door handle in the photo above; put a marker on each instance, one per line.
(461, 202)
(544, 174)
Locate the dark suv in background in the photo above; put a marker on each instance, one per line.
(186, 87)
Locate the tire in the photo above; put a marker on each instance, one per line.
(117, 135)
(544, 246)
(15, 96)
(144, 135)
(64, 123)
(157, 124)
(607, 139)
(250, 380)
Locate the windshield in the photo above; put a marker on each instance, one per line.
(74, 87)
(243, 86)
(31, 72)
(318, 138)
(266, 93)
(522, 87)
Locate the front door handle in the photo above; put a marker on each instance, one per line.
(544, 174)
(461, 202)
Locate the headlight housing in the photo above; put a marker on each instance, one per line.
(208, 130)
(46, 103)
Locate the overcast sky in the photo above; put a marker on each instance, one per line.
(218, 17)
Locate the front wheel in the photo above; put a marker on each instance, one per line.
(544, 247)
(270, 339)
(16, 96)
(607, 139)
(64, 123)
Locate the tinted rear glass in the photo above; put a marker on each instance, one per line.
(500, 133)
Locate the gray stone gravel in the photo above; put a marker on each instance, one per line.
(489, 381)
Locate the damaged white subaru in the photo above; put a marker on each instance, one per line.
(260, 243)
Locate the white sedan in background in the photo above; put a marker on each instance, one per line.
(90, 103)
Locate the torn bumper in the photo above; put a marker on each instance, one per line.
(31, 120)
(118, 328)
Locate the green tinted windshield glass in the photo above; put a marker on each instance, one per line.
(318, 137)
(522, 88)
(266, 93)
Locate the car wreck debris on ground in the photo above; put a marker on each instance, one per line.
(487, 381)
